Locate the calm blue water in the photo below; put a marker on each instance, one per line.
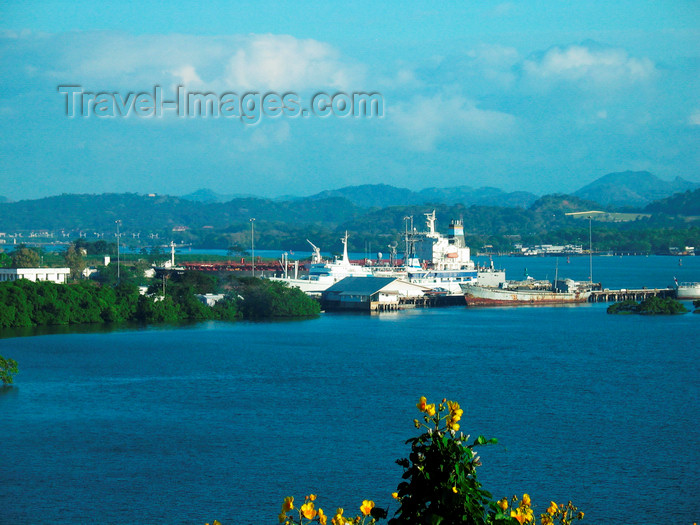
(221, 421)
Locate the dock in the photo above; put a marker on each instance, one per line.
(425, 301)
(614, 296)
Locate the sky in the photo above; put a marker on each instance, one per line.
(540, 96)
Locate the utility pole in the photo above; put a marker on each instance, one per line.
(118, 253)
(252, 241)
(590, 249)
(407, 249)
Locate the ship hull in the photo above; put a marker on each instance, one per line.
(481, 296)
(688, 291)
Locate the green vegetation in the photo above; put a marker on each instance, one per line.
(8, 368)
(24, 257)
(686, 203)
(24, 303)
(650, 306)
(264, 298)
(374, 216)
(439, 487)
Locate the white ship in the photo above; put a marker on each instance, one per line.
(431, 259)
(687, 291)
(445, 262)
(323, 274)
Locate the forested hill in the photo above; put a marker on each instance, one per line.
(288, 224)
(139, 212)
(71, 212)
(383, 196)
(634, 189)
(628, 189)
(685, 204)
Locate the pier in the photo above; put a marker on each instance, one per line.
(614, 296)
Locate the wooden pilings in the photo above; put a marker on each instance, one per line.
(613, 296)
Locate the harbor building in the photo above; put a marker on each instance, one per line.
(55, 275)
(372, 294)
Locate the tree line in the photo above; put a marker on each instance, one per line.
(24, 303)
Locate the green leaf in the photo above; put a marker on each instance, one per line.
(435, 519)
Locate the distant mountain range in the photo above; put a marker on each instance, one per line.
(353, 208)
(205, 195)
(383, 195)
(632, 189)
(629, 189)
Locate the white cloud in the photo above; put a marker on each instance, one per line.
(282, 62)
(233, 62)
(187, 75)
(425, 121)
(503, 9)
(694, 119)
(262, 137)
(604, 66)
(493, 63)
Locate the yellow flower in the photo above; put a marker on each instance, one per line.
(421, 404)
(580, 516)
(338, 518)
(322, 518)
(526, 500)
(503, 503)
(454, 489)
(522, 514)
(312, 497)
(395, 495)
(288, 504)
(552, 509)
(307, 509)
(281, 517)
(367, 507)
(430, 409)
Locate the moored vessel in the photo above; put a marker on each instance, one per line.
(687, 291)
(564, 292)
(323, 274)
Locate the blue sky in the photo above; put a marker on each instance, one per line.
(534, 95)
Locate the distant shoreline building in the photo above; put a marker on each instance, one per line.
(55, 275)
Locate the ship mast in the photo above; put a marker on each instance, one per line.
(590, 249)
(344, 240)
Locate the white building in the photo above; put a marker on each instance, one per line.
(210, 299)
(370, 293)
(56, 275)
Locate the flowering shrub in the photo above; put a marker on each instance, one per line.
(307, 513)
(439, 484)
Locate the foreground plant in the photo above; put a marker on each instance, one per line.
(440, 485)
(307, 513)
